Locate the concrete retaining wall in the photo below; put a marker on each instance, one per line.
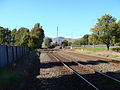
(9, 54)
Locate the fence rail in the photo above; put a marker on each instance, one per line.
(9, 54)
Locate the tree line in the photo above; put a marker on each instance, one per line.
(106, 31)
(48, 43)
(23, 36)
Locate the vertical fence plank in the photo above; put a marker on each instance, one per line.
(15, 53)
(3, 55)
(9, 54)
(18, 52)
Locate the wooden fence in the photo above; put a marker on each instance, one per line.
(9, 54)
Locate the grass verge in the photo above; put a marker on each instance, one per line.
(96, 49)
(9, 78)
(102, 51)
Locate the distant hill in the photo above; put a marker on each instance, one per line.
(60, 39)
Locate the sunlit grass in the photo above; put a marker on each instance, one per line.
(102, 51)
(94, 49)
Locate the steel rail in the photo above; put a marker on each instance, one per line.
(106, 58)
(112, 78)
(75, 72)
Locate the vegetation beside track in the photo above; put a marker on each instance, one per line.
(93, 49)
(9, 78)
(102, 51)
(13, 75)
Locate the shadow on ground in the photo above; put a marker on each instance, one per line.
(91, 62)
(65, 82)
(32, 67)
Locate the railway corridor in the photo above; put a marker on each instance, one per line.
(98, 80)
(54, 76)
(95, 63)
(58, 71)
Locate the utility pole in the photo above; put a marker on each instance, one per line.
(57, 31)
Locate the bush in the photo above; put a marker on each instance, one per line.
(117, 49)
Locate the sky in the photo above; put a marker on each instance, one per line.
(74, 18)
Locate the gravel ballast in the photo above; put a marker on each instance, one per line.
(54, 76)
(97, 65)
(51, 75)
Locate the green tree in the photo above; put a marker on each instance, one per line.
(69, 43)
(76, 43)
(25, 39)
(13, 33)
(54, 45)
(93, 39)
(38, 33)
(103, 29)
(20, 34)
(32, 42)
(84, 40)
(47, 42)
(2, 35)
(116, 32)
(5, 37)
(64, 43)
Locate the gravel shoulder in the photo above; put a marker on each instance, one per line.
(97, 65)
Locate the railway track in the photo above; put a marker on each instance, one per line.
(95, 79)
(101, 65)
(110, 61)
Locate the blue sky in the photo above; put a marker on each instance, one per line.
(73, 17)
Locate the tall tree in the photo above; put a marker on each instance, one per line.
(25, 39)
(69, 43)
(20, 34)
(93, 39)
(13, 33)
(5, 37)
(103, 29)
(76, 42)
(64, 43)
(47, 42)
(84, 40)
(116, 32)
(38, 33)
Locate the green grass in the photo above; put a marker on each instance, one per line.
(8, 78)
(96, 49)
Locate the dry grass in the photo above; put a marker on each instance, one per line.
(101, 53)
(109, 54)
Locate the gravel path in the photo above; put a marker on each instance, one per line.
(99, 66)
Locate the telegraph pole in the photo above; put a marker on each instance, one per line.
(57, 31)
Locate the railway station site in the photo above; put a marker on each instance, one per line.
(59, 45)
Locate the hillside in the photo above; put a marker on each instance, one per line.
(60, 39)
